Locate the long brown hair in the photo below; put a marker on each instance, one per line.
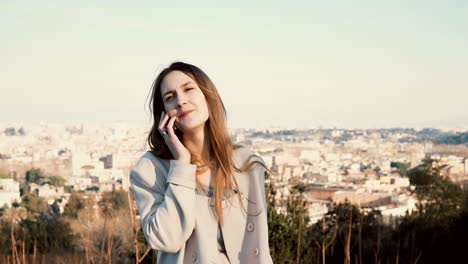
(221, 145)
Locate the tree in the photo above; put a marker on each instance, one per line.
(438, 197)
(3, 209)
(57, 181)
(33, 203)
(401, 167)
(288, 231)
(10, 131)
(52, 236)
(326, 236)
(279, 228)
(440, 205)
(34, 176)
(113, 201)
(75, 203)
(297, 212)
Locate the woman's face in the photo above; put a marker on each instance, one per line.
(182, 97)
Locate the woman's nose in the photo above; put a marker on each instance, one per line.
(181, 100)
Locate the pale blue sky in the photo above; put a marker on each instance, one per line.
(275, 63)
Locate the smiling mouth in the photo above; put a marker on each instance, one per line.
(185, 114)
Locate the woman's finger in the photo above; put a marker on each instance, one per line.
(170, 126)
(162, 122)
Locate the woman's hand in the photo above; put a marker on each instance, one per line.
(166, 128)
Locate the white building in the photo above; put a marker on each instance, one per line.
(316, 212)
(81, 183)
(47, 191)
(404, 205)
(310, 155)
(9, 192)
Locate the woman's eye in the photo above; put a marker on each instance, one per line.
(168, 98)
(188, 89)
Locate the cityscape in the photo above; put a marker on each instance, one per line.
(367, 168)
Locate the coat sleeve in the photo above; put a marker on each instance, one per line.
(166, 206)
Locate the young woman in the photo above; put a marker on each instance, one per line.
(201, 199)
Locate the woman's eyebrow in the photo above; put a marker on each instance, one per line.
(168, 92)
(185, 84)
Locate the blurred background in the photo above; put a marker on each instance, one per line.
(294, 64)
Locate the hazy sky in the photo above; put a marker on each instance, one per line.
(275, 63)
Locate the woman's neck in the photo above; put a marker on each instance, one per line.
(198, 143)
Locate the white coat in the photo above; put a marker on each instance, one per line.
(178, 222)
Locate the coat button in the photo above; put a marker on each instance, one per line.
(256, 251)
(194, 256)
(250, 227)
